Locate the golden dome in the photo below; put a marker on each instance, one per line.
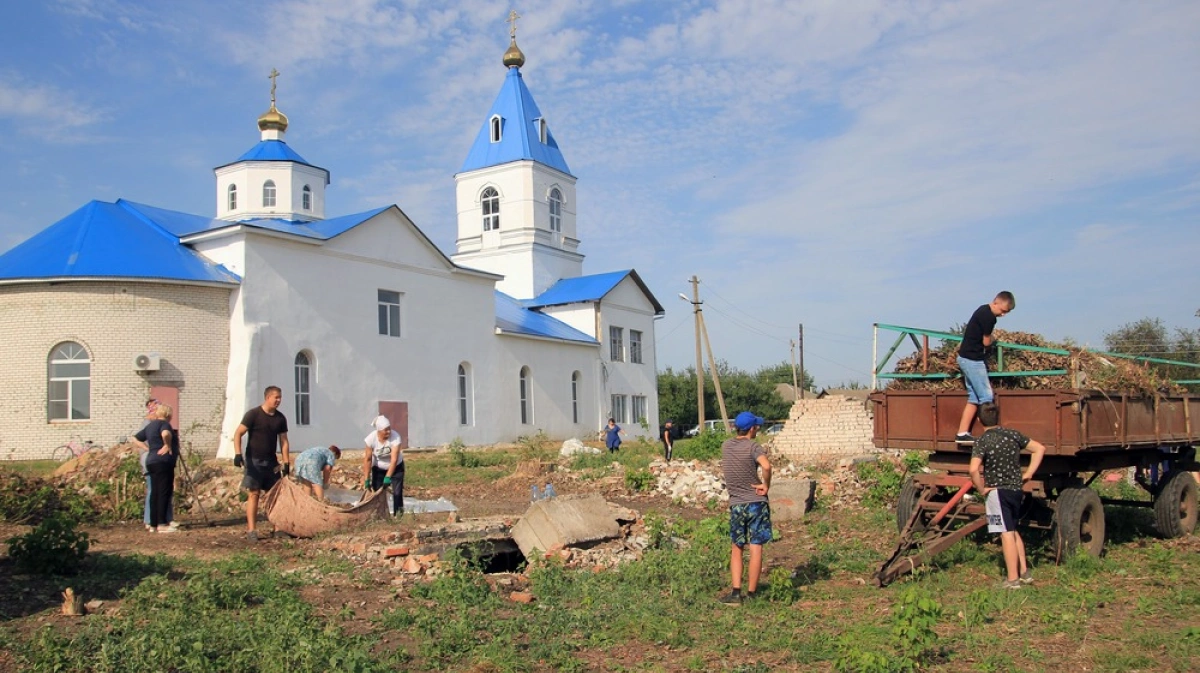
(273, 119)
(514, 56)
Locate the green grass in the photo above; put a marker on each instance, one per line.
(32, 468)
(1135, 607)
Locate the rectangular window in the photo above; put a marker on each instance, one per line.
(618, 408)
(639, 409)
(389, 313)
(635, 346)
(616, 344)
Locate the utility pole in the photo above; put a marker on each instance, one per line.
(712, 363)
(802, 360)
(695, 300)
(795, 387)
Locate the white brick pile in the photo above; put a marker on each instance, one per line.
(825, 429)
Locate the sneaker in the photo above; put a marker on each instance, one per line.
(174, 526)
(732, 598)
(252, 535)
(1013, 584)
(167, 529)
(1026, 577)
(964, 438)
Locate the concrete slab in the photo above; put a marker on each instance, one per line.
(563, 522)
(791, 498)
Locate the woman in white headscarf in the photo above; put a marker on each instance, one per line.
(383, 462)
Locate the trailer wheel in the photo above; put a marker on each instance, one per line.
(1079, 522)
(1175, 505)
(906, 503)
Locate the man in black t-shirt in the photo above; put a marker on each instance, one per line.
(977, 337)
(667, 434)
(997, 454)
(266, 425)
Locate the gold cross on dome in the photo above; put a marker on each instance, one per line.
(272, 76)
(512, 21)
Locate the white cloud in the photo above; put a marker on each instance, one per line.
(45, 111)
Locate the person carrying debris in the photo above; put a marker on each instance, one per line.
(997, 454)
(612, 436)
(972, 352)
(383, 462)
(313, 467)
(161, 444)
(266, 425)
(747, 478)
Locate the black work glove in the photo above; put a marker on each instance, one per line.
(237, 461)
(286, 469)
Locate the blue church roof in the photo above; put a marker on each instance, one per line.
(519, 137)
(272, 150)
(514, 318)
(589, 288)
(109, 240)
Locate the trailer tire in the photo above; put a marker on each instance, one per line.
(1175, 509)
(1078, 522)
(906, 503)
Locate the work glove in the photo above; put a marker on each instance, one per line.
(237, 461)
(387, 481)
(286, 470)
(367, 484)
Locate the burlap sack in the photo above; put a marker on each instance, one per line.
(293, 511)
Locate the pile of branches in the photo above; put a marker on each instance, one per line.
(1085, 369)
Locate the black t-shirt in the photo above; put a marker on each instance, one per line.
(1000, 449)
(664, 432)
(264, 433)
(151, 434)
(981, 324)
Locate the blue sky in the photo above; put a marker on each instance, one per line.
(828, 163)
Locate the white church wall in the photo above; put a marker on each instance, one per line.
(551, 365)
(324, 302)
(626, 307)
(185, 324)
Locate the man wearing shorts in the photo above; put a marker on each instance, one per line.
(266, 426)
(742, 458)
(997, 454)
(977, 337)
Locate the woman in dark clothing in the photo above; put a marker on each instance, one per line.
(162, 444)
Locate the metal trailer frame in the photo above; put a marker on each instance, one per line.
(1085, 432)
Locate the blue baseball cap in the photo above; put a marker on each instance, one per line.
(747, 420)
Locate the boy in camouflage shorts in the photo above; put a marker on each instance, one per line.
(749, 511)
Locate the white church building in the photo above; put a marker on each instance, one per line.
(351, 316)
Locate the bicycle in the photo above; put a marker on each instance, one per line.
(74, 448)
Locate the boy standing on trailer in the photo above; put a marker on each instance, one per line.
(997, 454)
(977, 337)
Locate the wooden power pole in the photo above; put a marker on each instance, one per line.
(802, 386)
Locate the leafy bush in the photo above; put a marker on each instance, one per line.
(53, 548)
(704, 446)
(913, 637)
(25, 499)
(639, 480)
(883, 482)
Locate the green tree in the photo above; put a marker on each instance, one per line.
(1149, 337)
(782, 373)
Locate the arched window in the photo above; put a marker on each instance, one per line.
(269, 194)
(69, 390)
(555, 210)
(233, 197)
(526, 397)
(495, 126)
(575, 379)
(464, 394)
(490, 199)
(303, 388)
(306, 198)
(543, 131)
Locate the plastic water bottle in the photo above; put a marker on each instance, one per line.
(533, 493)
(549, 493)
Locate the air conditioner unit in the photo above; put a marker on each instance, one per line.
(147, 362)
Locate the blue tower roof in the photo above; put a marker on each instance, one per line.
(588, 289)
(109, 240)
(272, 150)
(520, 139)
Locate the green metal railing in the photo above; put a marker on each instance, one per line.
(922, 347)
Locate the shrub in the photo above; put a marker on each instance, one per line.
(639, 480)
(31, 500)
(704, 446)
(883, 482)
(53, 548)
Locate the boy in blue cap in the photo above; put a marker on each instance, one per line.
(748, 478)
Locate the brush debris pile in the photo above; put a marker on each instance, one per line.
(1086, 369)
